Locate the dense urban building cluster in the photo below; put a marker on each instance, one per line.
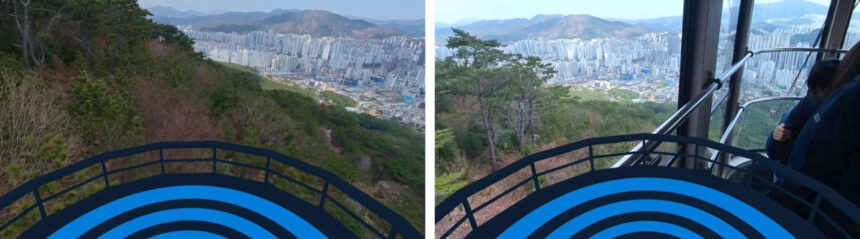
(384, 76)
(649, 64)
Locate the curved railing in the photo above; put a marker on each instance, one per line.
(730, 130)
(532, 173)
(270, 166)
(686, 111)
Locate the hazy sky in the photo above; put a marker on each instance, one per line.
(377, 9)
(450, 11)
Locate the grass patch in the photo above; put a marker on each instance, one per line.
(267, 84)
(587, 95)
(237, 67)
(623, 95)
(448, 183)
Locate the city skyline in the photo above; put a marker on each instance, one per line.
(398, 9)
(454, 11)
(649, 64)
(385, 77)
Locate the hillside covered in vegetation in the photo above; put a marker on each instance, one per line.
(493, 108)
(81, 77)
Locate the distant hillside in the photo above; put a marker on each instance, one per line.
(784, 12)
(580, 26)
(665, 24)
(786, 9)
(554, 26)
(808, 37)
(169, 12)
(488, 28)
(166, 15)
(411, 27)
(547, 27)
(414, 27)
(313, 22)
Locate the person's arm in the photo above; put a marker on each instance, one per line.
(776, 149)
(782, 133)
(795, 120)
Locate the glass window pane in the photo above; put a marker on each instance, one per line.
(725, 51)
(853, 34)
(779, 24)
(728, 30)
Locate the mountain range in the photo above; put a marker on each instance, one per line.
(766, 16)
(312, 22)
(548, 27)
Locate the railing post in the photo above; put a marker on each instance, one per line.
(392, 233)
(324, 194)
(104, 174)
(591, 156)
(535, 177)
(161, 159)
(751, 173)
(214, 159)
(695, 157)
(814, 208)
(469, 214)
(268, 161)
(39, 202)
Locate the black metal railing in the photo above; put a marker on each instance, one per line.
(399, 226)
(685, 111)
(461, 206)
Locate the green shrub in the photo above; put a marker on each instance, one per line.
(448, 183)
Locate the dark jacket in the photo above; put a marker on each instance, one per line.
(794, 121)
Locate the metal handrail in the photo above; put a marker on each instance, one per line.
(683, 113)
(461, 197)
(399, 225)
(730, 129)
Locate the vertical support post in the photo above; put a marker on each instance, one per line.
(392, 233)
(104, 174)
(324, 194)
(836, 26)
(701, 33)
(741, 49)
(751, 173)
(591, 156)
(268, 161)
(214, 161)
(535, 177)
(647, 155)
(161, 159)
(814, 209)
(695, 157)
(469, 214)
(39, 202)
